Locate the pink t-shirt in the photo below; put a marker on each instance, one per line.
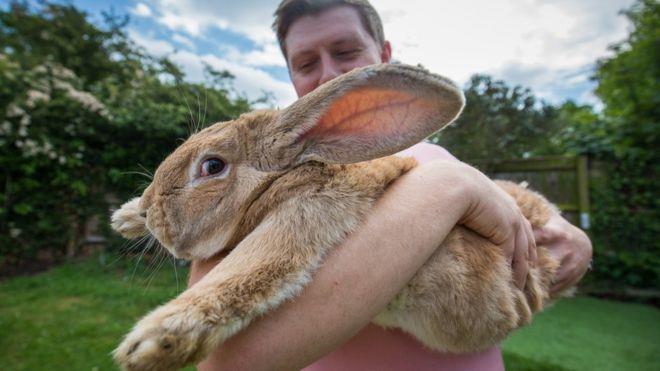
(375, 348)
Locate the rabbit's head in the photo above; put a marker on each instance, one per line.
(201, 191)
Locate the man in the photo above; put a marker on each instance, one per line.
(320, 41)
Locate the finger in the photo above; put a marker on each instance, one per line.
(560, 286)
(533, 256)
(540, 236)
(508, 249)
(562, 278)
(520, 259)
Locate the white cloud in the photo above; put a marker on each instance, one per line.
(536, 43)
(252, 81)
(141, 10)
(268, 55)
(530, 42)
(183, 40)
(249, 18)
(249, 79)
(150, 44)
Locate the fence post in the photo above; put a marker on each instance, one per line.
(583, 191)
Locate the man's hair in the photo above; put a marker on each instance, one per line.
(290, 10)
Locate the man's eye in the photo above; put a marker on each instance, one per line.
(305, 66)
(347, 53)
(212, 166)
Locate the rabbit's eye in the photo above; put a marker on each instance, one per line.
(212, 166)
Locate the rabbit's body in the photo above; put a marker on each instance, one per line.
(280, 189)
(485, 305)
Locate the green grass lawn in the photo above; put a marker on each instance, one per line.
(71, 317)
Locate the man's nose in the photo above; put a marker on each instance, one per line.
(329, 69)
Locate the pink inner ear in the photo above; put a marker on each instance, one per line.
(369, 112)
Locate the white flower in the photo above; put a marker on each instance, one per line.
(14, 232)
(5, 128)
(61, 160)
(31, 148)
(14, 111)
(25, 121)
(30, 143)
(63, 73)
(34, 96)
(86, 99)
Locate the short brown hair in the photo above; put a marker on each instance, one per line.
(290, 10)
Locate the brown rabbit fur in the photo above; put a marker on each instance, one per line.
(287, 187)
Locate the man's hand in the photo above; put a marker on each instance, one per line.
(495, 215)
(570, 246)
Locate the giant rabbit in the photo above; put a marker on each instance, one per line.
(279, 189)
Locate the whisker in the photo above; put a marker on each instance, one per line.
(149, 245)
(176, 274)
(206, 101)
(199, 113)
(146, 175)
(161, 258)
(191, 123)
(124, 251)
(140, 187)
(147, 171)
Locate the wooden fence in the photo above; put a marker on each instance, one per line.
(563, 180)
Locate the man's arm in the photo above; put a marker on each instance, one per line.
(362, 275)
(567, 243)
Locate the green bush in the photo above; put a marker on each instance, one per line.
(624, 139)
(82, 111)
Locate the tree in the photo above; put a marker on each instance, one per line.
(624, 139)
(499, 122)
(81, 110)
(629, 81)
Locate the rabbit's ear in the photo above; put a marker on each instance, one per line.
(367, 113)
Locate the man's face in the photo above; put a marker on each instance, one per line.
(324, 46)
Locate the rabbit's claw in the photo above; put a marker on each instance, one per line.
(161, 341)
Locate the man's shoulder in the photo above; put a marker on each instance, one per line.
(425, 152)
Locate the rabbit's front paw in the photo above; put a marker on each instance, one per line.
(166, 339)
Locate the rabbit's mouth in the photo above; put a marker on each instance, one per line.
(183, 246)
(177, 250)
(162, 232)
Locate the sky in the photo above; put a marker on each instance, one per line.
(550, 46)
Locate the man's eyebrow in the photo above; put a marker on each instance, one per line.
(339, 42)
(345, 40)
